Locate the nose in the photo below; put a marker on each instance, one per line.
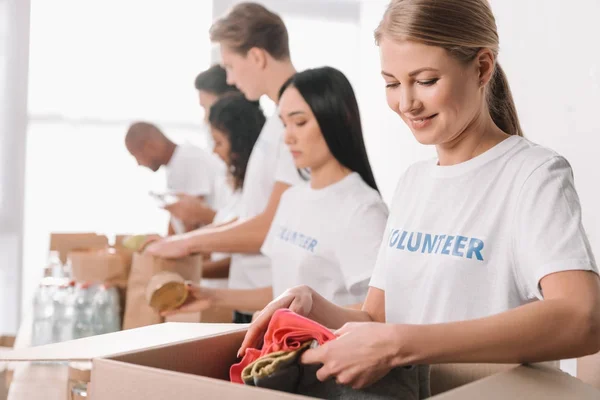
(288, 136)
(408, 103)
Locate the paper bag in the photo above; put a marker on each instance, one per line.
(144, 266)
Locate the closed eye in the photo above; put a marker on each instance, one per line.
(392, 85)
(429, 82)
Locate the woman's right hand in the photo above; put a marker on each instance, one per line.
(298, 299)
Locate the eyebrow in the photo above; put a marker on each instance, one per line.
(413, 73)
(291, 114)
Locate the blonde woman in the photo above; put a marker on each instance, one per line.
(484, 258)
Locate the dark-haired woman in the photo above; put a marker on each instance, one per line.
(327, 230)
(235, 124)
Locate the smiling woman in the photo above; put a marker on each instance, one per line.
(513, 252)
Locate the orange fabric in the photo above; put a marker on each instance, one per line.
(286, 332)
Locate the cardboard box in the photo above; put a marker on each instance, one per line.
(191, 361)
(6, 344)
(100, 266)
(588, 370)
(67, 242)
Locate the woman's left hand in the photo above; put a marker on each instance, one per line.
(170, 247)
(362, 354)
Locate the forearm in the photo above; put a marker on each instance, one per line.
(216, 269)
(540, 331)
(242, 299)
(333, 316)
(245, 236)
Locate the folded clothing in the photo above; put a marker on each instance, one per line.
(287, 331)
(280, 370)
(277, 366)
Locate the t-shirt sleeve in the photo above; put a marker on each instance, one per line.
(548, 233)
(285, 170)
(359, 243)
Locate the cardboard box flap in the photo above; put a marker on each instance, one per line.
(123, 342)
(146, 383)
(525, 382)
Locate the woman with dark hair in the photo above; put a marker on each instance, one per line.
(327, 230)
(235, 124)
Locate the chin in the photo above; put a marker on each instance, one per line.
(426, 138)
(252, 96)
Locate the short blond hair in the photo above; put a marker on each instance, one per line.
(249, 25)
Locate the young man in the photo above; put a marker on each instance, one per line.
(191, 172)
(255, 54)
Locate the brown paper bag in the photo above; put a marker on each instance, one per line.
(144, 266)
(108, 266)
(67, 242)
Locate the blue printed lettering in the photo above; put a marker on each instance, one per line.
(298, 239)
(428, 245)
(394, 237)
(446, 249)
(401, 242)
(475, 246)
(442, 237)
(459, 245)
(414, 247)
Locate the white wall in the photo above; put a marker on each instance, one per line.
(552, 58)
(14, 36)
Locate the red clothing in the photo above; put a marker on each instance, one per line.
(287, 331)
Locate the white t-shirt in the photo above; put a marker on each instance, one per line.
(270, 162)
(228, 212)
(327, 239)
(193, 171)
(474, 239)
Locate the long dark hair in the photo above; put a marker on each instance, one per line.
(331, 98)
(241, 121)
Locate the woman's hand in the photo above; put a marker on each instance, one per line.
(298, 299)
(170, 247)
(362, 354)
(199, 299)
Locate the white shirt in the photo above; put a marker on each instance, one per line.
(475, 239)
(270, 162)
(327, 239)
(196, 172)
(227, 213)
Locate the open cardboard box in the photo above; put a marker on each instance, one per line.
(6, 344)
(191, 361)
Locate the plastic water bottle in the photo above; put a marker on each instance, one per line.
(43, 314)
(64, 313)
(83, 324)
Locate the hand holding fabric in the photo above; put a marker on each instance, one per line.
(362, 354)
